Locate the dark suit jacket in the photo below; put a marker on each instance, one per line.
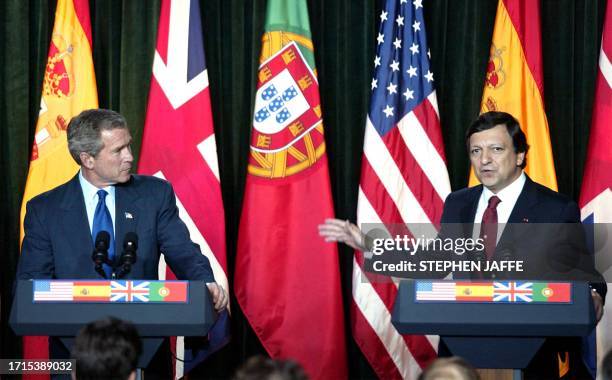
(535, 204)
(543, 230)
(58, 242)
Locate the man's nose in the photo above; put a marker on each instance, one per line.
(127, 155)
(485, 157)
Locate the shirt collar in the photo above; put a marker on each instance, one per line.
(510, 193)
(90, 192)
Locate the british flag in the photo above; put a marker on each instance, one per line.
(596, 194)
(179, 145)
(130, 291)
(403, 179)
(511, 291)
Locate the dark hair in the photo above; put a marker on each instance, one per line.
(453, 368)
(262, 368)
(106, 349)
(606, 367)
(84, 131)
(492, 119)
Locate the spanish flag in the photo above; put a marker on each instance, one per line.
(474, 291)
(91, 291)
(514, 82)
(69, 87)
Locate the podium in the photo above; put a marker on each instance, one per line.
(492, 334)
(154, 321)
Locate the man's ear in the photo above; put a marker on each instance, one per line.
(520, 158)
(87, 160)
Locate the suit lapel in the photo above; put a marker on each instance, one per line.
(524, 203)
(520, 214)
(126, 213)
(74, 222)
(468, 211)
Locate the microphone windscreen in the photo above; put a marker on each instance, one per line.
(102, 240)
(130, 241)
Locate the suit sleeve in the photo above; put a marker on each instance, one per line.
(571, 213)
(36, 261)
(183, 255)
(419, 258)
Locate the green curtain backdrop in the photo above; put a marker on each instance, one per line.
(124, 35)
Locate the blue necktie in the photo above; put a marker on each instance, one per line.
(102, 222)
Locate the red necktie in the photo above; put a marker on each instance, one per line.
(488, 228)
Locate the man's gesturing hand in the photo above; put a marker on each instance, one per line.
(343, 231)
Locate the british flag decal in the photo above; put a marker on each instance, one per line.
(130, 291)
(512, 291)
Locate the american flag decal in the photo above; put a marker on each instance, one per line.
(435, 291)
(49, 290)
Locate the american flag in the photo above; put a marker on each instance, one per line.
(403, 179)
(511, 291)
(49, 290)
(435, 291)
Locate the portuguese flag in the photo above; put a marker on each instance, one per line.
(287, 279)
(166, 291)
(552, 292)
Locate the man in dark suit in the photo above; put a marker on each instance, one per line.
(61, 225)
(497, 150)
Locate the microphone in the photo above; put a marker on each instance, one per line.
(128, 257)
(506, 254)
(481, 257)
(100, 252)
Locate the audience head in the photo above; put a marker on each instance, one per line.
(106, 349)
(606, 367)
(453, 368)
(262, 368)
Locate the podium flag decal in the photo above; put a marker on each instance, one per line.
(124, 291)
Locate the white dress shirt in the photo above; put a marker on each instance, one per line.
(90, 194)
(508, 196)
